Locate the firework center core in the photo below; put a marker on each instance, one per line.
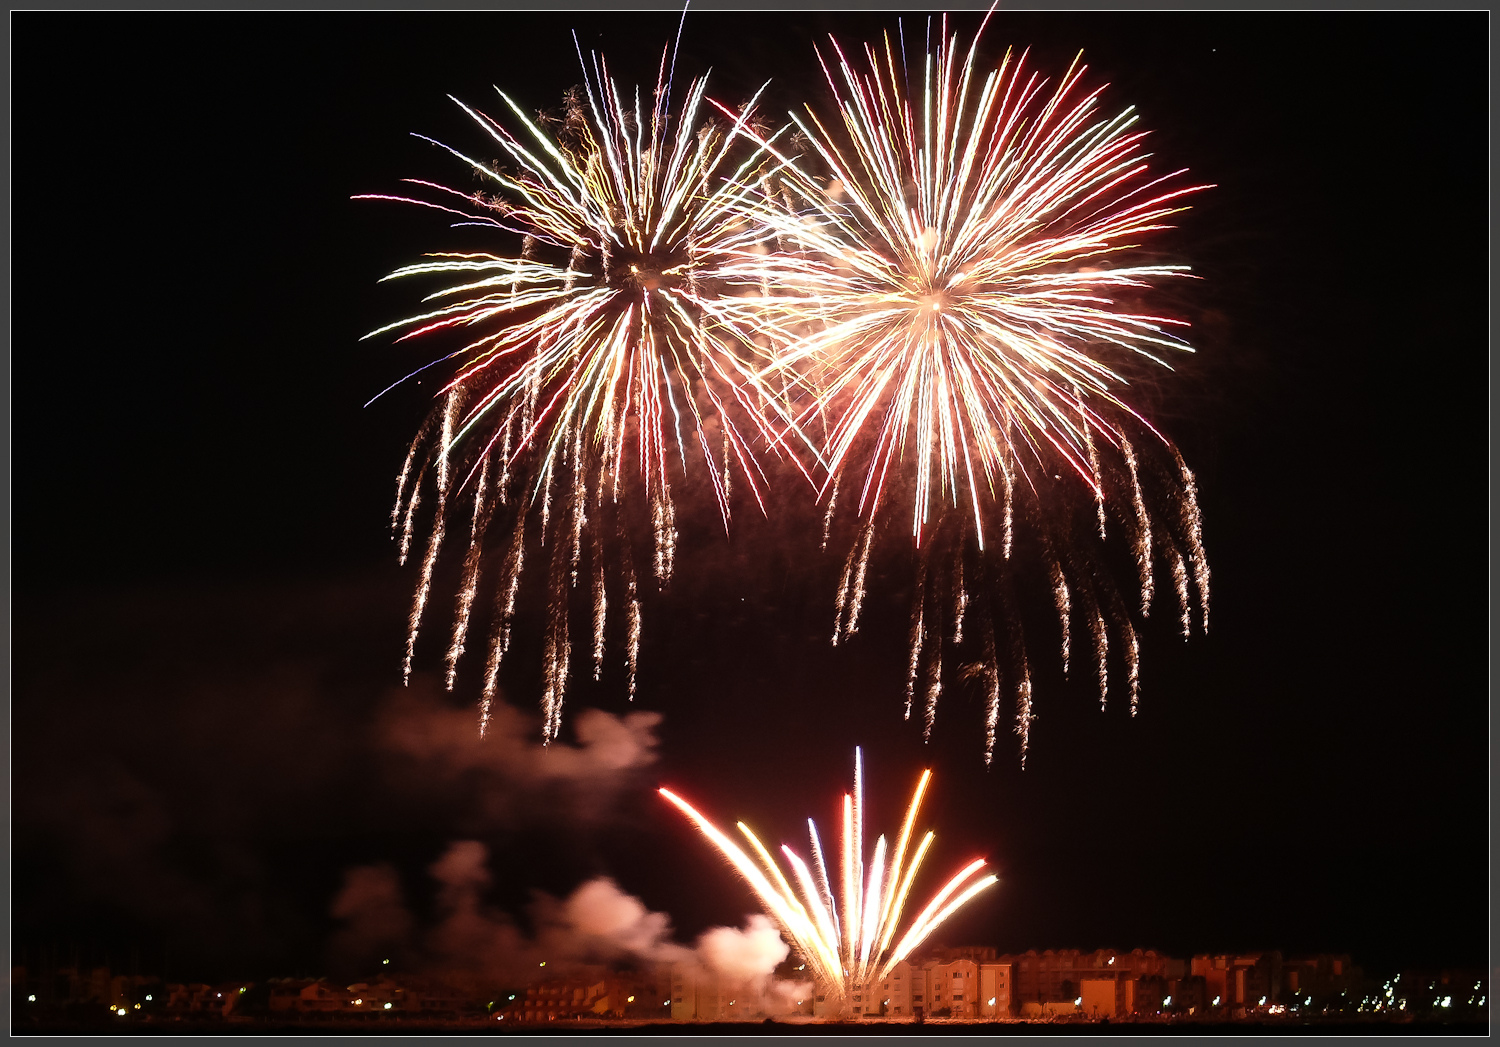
(929, 304)
(640, 273)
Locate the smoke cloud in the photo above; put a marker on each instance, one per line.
(598, 922)
(437, 749)
(742, 955)
(204, 799)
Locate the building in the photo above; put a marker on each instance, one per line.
(955, 985)
(995, 980)
(706, 996)
(1102, 983)
(1321, 980)
(1241, 982)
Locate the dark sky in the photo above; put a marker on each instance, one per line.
(208, 615)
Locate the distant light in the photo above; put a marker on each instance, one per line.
(137, 1006)
(219, 995)
(512, 996)
(1111, 960)
(1216, 1001)
(387, 1006)
(992, 1001)
(664, 1003)
(1447, 1001)
(121, 1012)
(32, 999)
(630, 999)
(385, 961)
(1262, 1001)
(1078, 1002)
(542, 964)
(1167, 1002)
(358, 1002)
(148, 996)
(242, 989)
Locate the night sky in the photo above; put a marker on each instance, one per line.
(208, 620)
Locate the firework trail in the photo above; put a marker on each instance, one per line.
(978, 326)
(599, 358)
(849, 941)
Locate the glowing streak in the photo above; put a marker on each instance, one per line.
(1024, 715)
(824, 883)
(1143, 530)
(424, 582)
(991, 710)
(1194, 521)
(1179, 577)
(833, 500)
(872, 904)
(1064, 608)
(601, 606)
(470, 583)
(960, 602)
(1133, 664)
(1101, 650)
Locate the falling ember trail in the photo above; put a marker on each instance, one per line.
(855, 939)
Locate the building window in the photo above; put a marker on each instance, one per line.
(958, 996)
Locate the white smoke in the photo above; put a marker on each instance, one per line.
(600, 919)
(743, 955)
(375, 917)
(597, 922)
(504, 774)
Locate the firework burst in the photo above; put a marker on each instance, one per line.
(970, 331)
(620, 343)
(849, 934)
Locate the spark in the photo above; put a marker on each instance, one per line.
(1025, 716)
(429, 561)
(1143, 529)
(1064, 607)
(847, 941)
(469, 584)
(1180, 579)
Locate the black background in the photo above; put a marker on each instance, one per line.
(199, 502)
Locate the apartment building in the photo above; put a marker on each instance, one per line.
(701, 995)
